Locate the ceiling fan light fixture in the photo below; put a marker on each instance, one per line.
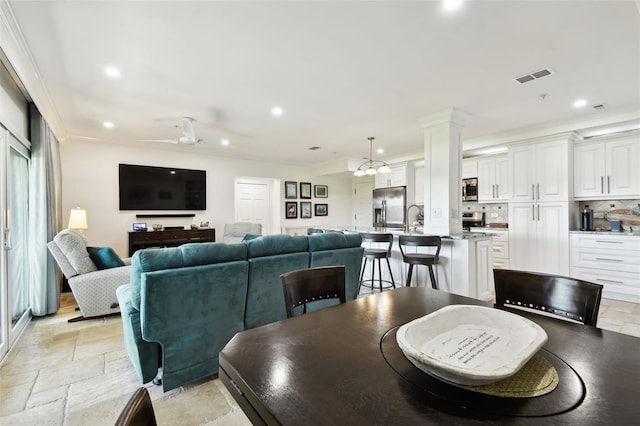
(371, 171)
(384, 169)
(367, 168)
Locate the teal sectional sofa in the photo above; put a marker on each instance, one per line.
(184, 304)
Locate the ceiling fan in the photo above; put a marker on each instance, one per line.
(188, 134)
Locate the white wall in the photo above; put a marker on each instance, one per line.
(90, 180)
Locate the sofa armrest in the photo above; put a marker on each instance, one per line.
(95, 291)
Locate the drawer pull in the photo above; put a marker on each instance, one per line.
(609, 242)
(609, 260)
(609, 281)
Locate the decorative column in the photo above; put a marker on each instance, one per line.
(442, 171)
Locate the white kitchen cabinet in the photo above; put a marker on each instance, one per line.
(607, 168)
(493, 184)
(539, 237)
(500, 245)
(397, 177)
(539, 171)
(418, 184)
(608, 259)
(464, 267)
(469, 169)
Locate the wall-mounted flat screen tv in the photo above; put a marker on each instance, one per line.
(162, 188)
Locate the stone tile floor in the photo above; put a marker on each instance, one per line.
(63, 373)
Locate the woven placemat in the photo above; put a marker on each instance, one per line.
(537, 377)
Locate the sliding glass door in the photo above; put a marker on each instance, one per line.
(14, 309)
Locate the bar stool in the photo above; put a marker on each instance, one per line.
(376, 253)
(427, 259)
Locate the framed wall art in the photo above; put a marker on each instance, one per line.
(290, 189)
(291, 210)
(305, 210)
(321, 209)
(305, 190)
(321, 191)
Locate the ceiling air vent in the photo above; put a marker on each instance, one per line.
(534, 75)
(313, 148)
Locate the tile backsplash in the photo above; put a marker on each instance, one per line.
(500, 212)
(602, 207)
(493, 213)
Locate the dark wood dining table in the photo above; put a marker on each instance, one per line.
(340, 366)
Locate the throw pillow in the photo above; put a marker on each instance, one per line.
(104, 257)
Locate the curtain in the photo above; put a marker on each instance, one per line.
(44, 215)
(18, 256)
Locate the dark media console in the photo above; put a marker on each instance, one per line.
(169, 238)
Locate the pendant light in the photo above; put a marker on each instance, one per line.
(371, 167)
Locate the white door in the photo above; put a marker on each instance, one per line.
(363, 205)
(14, 268)
(253, 204)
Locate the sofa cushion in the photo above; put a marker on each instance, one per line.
(151, 260)
(333, 240)
(194, 254)
(337, 249)
(104, 257)
(270, 245)
(74, 248)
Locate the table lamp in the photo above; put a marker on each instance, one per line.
(78, 220)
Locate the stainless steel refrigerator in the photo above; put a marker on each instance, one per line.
(389, 207)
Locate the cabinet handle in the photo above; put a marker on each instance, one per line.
(533, 192)
(609, 242)
(538, 191)
(608, 184)
(609, 260)
(602, 184)
(533, 212)
(609, 281)
(538, 212)
(497, 190)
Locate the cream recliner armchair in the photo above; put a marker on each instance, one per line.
(236, 232)
(94, 289)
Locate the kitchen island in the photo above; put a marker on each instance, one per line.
(465, 266)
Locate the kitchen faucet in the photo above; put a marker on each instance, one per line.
(407, 227)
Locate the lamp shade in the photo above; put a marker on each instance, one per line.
(78, 219)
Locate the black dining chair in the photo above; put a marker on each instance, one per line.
(430, 260)
(377, 247)
(138, 411)
(313, 286)
(560, 296)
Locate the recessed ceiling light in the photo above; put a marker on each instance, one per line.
(277, 111)
(579, 103)
(451, 5)
(112, 72)
(224, 142)
(107, 125)
(380, 151)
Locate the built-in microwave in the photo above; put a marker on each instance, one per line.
(470, 189)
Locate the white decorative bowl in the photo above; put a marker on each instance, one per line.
(470, 345)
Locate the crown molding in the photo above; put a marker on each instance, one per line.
(17, 52)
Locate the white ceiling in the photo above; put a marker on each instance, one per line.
(341, 70)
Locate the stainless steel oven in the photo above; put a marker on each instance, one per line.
(470, 189)
(472, 220)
